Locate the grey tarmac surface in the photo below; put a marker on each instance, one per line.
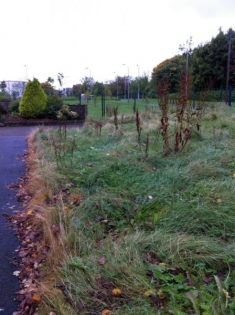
(12, 149)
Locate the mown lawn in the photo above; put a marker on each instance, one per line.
(139, 230)
(124, 107)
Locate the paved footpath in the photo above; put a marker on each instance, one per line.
(12, 149)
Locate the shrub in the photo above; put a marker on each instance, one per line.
(14, 106)
(2, 110)
(4, 96)
(54, 104)
(34, 100)
(65, 113)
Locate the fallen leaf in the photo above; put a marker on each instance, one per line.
(12, 207)
(116, 292)
(161, 294)
(106, 312)
(23, 291)
(16, 273)
(36, 298)
(101, 260)
(150, 292)
(206, 279)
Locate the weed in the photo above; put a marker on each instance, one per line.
(138, 126)
(115, 114)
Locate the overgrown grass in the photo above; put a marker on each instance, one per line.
(158, 227)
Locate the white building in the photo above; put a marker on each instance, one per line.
(15, 88)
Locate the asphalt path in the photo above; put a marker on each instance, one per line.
(12, 149)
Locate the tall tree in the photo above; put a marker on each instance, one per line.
(98, 88)
(48, 88)
(87, 84)
(210, 61)
(60, 78)
(50, 80)
(145, 87)
(77, 89)
(207, 62)
(171, 69)
(3, 86)
(187, 50)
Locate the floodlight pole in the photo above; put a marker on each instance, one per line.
(138, 82)
(128, 95)
(26, 72)
(90, 82)
(187, 52)
(117, 85)
(228, 67)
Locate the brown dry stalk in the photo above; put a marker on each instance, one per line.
(115, 114)
(138, 127)
(147, 146)
(182, 105)
(163, 95)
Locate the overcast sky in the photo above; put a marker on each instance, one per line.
(40, 38)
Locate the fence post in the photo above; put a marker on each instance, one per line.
(103, 105)
(134, 106)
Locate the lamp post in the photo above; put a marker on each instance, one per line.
(228, 67)
(26, 72)
(65, 83)
(117, 85)
(127, 81)
(90, 82)
(138, 82)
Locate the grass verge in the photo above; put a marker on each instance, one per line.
(130, 229)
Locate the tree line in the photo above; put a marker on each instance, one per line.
(206, 63)
(210, 63)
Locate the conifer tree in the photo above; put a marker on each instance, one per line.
(34, 100)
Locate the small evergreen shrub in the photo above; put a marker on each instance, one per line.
(34, 100)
